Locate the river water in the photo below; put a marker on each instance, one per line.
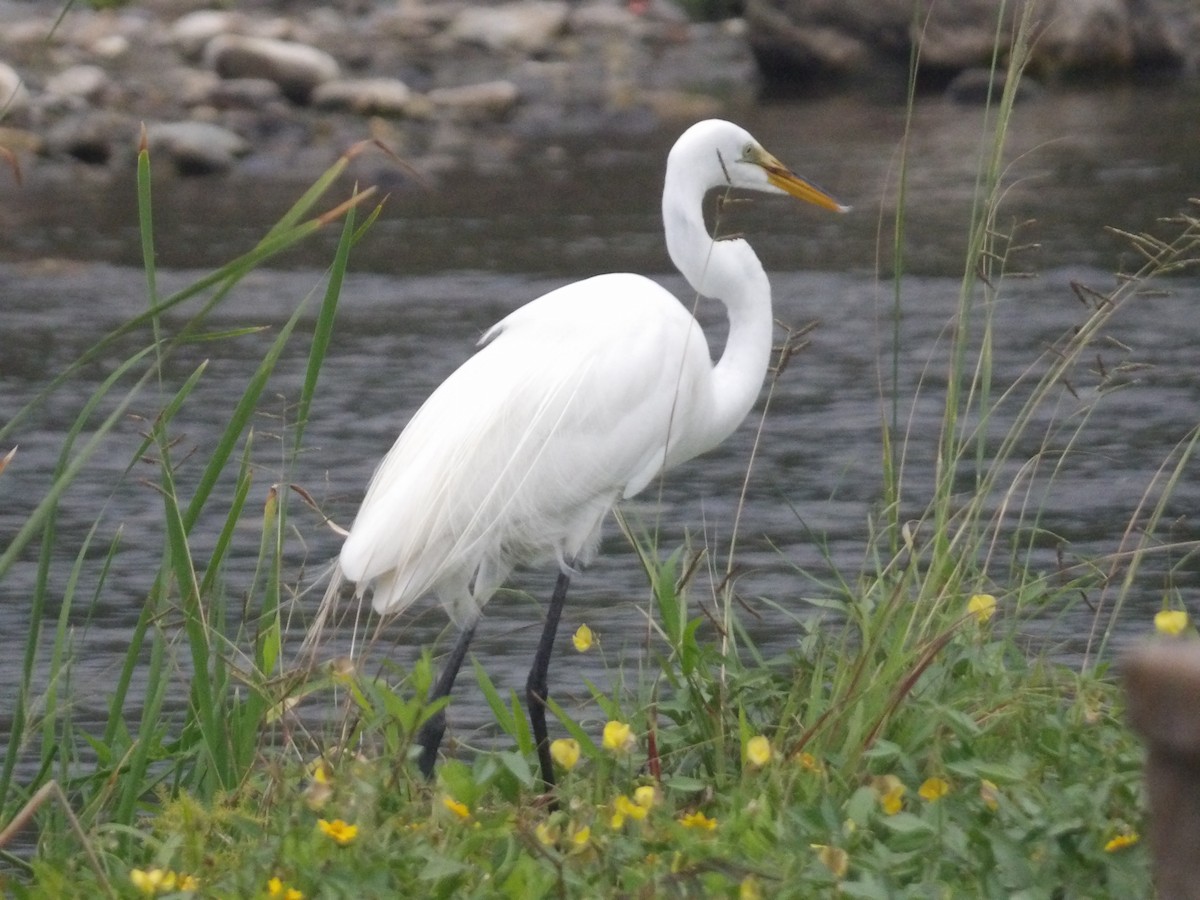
(443, 264)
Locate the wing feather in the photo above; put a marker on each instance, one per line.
(576, 400)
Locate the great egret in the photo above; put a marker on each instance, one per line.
(577, 400)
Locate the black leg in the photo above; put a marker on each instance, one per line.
(430, 735)
(535, 688)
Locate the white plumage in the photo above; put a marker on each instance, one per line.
(576, 400)
(517, 456)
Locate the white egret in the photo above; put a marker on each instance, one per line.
(577, 400)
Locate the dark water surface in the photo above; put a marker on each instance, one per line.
(441, 266)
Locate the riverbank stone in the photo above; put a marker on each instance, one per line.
(366, 96)
(196, 148)
(14, 96)
(527, 27)
(801, 40)
(304, 80)
(488, 101)
(296, 68)
(95, 137)
(86, 82)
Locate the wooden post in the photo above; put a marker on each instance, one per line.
(1162, 680)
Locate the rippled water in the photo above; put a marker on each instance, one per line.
(440, 267)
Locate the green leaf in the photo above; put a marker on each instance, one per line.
(504, 717)
(684, 784)
(518, 765)
(907, 824)
(438, 866)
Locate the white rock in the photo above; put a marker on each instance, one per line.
(110, 46)
(296, 68)
(598, 15)
(196, 148)
(14, 97)
(369, 96)
(489, 100)
(524, 27)
(85, 81)
(190, 33)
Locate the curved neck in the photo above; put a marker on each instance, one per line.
(728, 271)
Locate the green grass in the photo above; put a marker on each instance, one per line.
(911, 744)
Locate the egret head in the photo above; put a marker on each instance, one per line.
(759, 163)
(728, 155)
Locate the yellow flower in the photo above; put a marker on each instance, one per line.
(618, 737)
(645, 796)
(581, 837)
(835, 859)
(698, 820)
(545, 834)
(583, 638)
(750, 889)
(1121, 841)
(982, 607)
(758, 751)
(893, 801)
(320, 771)
(1170, 621)
(189, 883)
(339, 831)
(276, 888)
(624, 808)
(890, 791)
(156, 881)
(146, 881)
(565, 752)
(933, 789)
(989, 794)
(459, 809)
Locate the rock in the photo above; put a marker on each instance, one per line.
(597, 15)
(980, 85)
(492, 100)
(408, 21)
(14, 97)
(1114, 35)
(196, 148)
(90, 137)
(366, 96)
(527, 27)
(190, 33)
(110, 46)
(243, 93)
(798, 39)
(296, 68)
(86, 82)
